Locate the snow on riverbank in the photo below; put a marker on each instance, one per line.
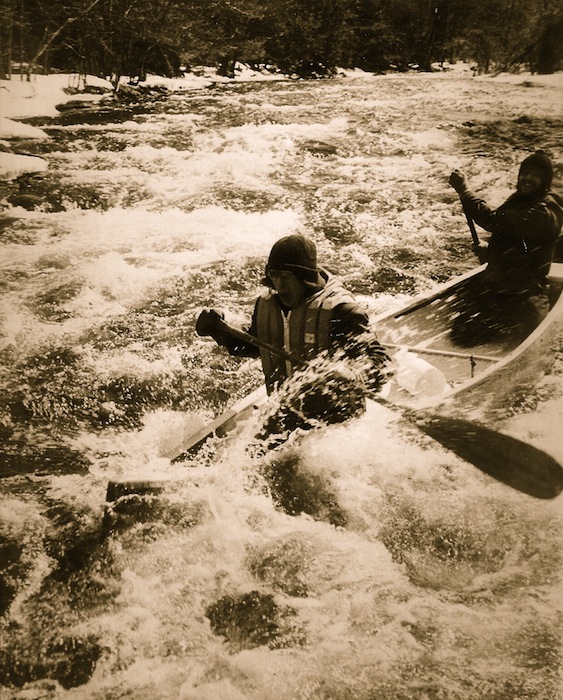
(20, 99)
(12, 165)
(39, 98)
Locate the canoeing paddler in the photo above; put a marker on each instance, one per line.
(511, 297)
(318, 328)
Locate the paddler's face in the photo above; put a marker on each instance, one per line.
(530, 180)
(290, 289)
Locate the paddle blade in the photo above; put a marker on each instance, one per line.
(517, 464)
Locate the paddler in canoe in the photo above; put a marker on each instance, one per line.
(511, 296)
(311, 320)
(305, 313)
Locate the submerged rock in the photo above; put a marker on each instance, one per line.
(21, 457)
(70, 661)
(298, 490)
(284, 564)
(95, 116)
(25, 201)
(73, 104)
(254, 619)
(320, 148)
(11, 570)
(150, 510)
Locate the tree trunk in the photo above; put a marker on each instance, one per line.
(6, 39)
(50, 38)
(549, 54)
(437, 33)
(227, 66)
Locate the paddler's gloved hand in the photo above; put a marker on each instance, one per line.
(207, 324)
(457, 181)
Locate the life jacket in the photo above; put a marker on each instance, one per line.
(304, 331)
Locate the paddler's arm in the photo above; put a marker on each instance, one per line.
(350, 331)
(207, 325)
(539, 221)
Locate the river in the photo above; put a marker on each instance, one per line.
(413, 576)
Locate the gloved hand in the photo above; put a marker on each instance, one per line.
(207, 322)
(457, 181)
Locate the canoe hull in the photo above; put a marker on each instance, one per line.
(477, 378)
(224, 423)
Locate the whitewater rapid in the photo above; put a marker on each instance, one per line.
(410, 574)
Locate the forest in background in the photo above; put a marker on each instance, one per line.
(309, 38)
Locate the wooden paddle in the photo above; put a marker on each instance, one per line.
(470, 223)
(507, 459)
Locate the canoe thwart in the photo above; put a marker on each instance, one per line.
(444, 353)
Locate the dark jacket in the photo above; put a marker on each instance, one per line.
(524, 235)
(327, 319)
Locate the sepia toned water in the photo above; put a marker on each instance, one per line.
(359, 562)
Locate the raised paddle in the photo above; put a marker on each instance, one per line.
(507, 459)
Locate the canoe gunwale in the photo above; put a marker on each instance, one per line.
(444, 289)
(224, 422)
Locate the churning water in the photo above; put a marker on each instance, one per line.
(359, 562)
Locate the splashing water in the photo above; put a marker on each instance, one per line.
(357, 560)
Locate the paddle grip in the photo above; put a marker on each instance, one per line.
(207, 323)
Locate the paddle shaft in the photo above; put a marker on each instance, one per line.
(257, 342)
(513, 462)
(470, 223)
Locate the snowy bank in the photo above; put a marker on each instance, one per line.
(12, 165)
(20, 99)
(39, 97)
(10, 129)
